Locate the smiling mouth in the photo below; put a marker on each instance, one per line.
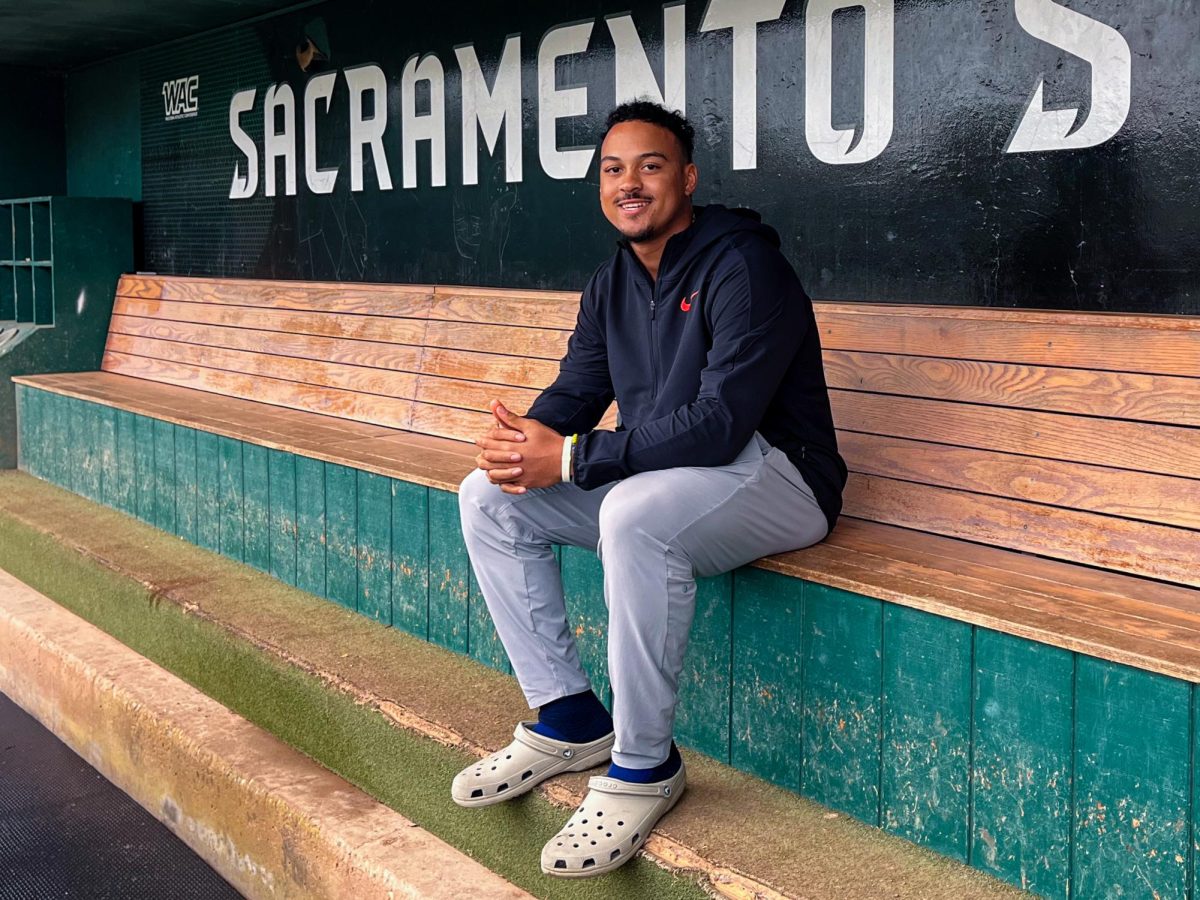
(633, 205)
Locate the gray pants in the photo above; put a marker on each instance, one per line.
(655, 533)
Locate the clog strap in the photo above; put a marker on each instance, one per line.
(620, 788)
(543, 744)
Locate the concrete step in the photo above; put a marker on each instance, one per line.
(733, 834)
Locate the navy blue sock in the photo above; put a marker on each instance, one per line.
(661, 772)
(578, 718)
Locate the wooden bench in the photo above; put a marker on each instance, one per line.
(1034, 474)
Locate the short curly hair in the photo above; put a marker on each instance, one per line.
(655, 114)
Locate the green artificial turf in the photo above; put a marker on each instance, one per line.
(408, 773)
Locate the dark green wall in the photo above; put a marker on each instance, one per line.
(33, 123)
(103, 134)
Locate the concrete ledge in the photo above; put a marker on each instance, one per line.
(270, 820)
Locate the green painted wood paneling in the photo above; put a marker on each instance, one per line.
(410, 558)
(767, 690)
(106, 447)
(310, 525)
(232, 495)
(1194, 829)
(87, 465)
(29, 430)
(375, 546)
(341, 531)
(448, 578)
(208, 491)
(1132, 782)
(163, 505)
(587, 615)
(841, 722)
(126, 491)
(281, 475)
(187, 508)
(1021, 762)
(702, 715)
(485, 642)
(925, 784)
(256, 510)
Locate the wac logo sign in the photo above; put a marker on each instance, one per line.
(179, 98)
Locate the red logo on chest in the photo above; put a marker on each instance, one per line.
(686, 303)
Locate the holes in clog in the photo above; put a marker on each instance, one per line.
(593, 843)
(614, 855)
(509, 756)
(585, 821)
(528, 774)
(493, 768)
(620, 823)
(599, 812)
(576, 846)
(560, 864)
(635, 837)
(503, 787)
(609, 834)
(588, 862)
(478, 792)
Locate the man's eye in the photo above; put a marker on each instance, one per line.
(612, 170)
(651, 167)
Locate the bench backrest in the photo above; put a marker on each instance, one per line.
(1074, 436)
(414, 357)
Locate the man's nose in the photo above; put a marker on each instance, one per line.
(631, 182)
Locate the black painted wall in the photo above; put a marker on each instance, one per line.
(32, 129)
(942, 214)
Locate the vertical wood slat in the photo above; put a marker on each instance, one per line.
(702, 718)
(281, 490)
(231, 498)
(767, 686)
(257, 506)
(1132, 782)
(926, 698)
(374, 556)
(1022, 766)
(106, 437)
(341, 530)
(587, 616)
(125, 498)
(310, 525)
(410, 558)
(163, 504)
(208, 491)
(841, 643)
(186, 491)
(449, 565)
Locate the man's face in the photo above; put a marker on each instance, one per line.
(645, 184)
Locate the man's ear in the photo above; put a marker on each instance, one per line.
(691, 177)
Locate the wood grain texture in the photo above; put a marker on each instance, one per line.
(1116, 395)
(1161, 345)
(1164, 499)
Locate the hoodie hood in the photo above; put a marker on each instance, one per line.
(713, 222)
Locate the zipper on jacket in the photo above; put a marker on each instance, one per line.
(654, 342)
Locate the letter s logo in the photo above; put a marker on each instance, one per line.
(1107, 53)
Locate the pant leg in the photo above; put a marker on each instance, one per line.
(509, 538)
(658, 531)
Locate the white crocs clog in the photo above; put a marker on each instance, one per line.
(523, 764)
(610, 825)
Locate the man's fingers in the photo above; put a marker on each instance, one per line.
(503, 433)
(486, 444)
(499, 476)
(501, 456)
(512, 488)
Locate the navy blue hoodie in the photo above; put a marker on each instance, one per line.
(723, 344)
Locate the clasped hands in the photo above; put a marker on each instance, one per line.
(519, 453)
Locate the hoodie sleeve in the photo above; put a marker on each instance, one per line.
(583, 390)
(759, 319)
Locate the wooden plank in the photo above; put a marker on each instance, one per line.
(442, 421)
(341, 532)
(448, 574)
(163, 515)
(187, 500)
(383, 355)
(492, 368)
(328, 297)
(1021, 771)
(1116, 395)
(1140, 548)
(841, 722)
(29, 445)
(410, 558)
(1163, 345)
(338, 375)
(370, 328)
(256, 480)
(375, 547)
(230, 483)
(106, 449)
(587, 615)
(1113, 492)
(1132, 782)
(705, 684)
(208, 491)
(925, 787)
(1138, 446)
(512, 340)
(541, 309)
(281, 493)
(126, 487)
(454, 392)
(87, 467)
(275, 391)
(485, 643)
(310, 525)
(766, 695)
